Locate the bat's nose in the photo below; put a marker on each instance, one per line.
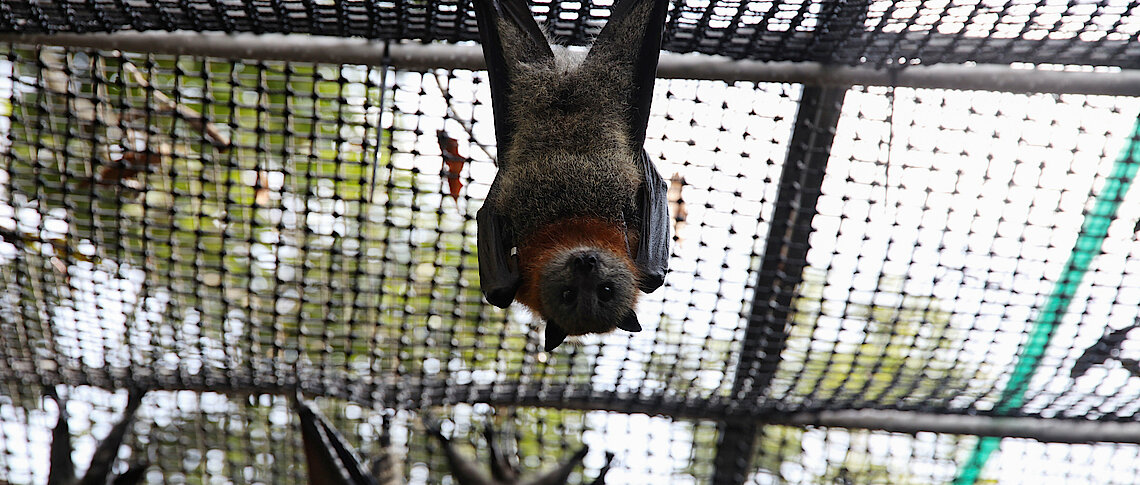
(585, 263)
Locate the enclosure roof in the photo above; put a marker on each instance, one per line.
(878, 33)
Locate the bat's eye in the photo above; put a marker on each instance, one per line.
(568, 295)
(605, 292)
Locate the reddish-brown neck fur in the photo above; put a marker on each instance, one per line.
(548, 241)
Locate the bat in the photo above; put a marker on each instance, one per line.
(502, 469)
(601, 479)
(503, 472)
(1107, 347)
(61, 469)
(331, 460)
(576, 221)
(1130, 365)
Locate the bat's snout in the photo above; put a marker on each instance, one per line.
(589, 279)
(585, 263)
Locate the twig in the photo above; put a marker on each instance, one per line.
(60, 246)
(215, 137)
(467, 126)
(380, 123)
(12, 237)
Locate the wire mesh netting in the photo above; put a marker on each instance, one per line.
(225, 232)
(212, 228)
(847, 32)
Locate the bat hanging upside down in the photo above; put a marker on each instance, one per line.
(503, 469)
(61, 469)
(577, 220)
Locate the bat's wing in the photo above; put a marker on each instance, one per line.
(501, 468)
(632, 37)
(62, 468)
(133, 476)
(462, 470)
(348, 459)
(509, 35)
(601, 479)
(652, 259)
(561, 473)
(323, 467)
(330, 459)
(386, 465)
(108, 449)
(498, 271)
(1105, 348)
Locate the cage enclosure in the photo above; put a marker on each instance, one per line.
(904, 245)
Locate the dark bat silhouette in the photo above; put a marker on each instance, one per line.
(577, 220)
(331, 460)
(61, 467)
(503, 471)
(1106, 348)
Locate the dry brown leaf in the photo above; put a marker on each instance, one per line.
(677, 204)
(452, 163)
(261, 189)
(128, 167)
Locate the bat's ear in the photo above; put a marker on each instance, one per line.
(330, 459)
(510, 37)
(629, 322)
(561, 473)
(62, 469)
(632, 40)
(554, 336)
(108, 449)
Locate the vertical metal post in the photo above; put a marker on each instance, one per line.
(780, 271)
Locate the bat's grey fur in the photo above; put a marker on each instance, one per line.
(570, 153)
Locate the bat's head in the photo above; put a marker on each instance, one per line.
(579, 277)
(588, 289)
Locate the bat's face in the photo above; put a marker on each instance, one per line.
(578, 275)
(587, 290)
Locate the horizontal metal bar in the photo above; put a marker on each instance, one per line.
(270, 47)
(1047, 430)
(412, 56)
(1040, 429)
(583, 398)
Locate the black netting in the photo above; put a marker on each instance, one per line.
(946, 224)
(226, 232)
(856, 32)
(211, 438)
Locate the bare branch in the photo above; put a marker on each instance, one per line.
(168, 105)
